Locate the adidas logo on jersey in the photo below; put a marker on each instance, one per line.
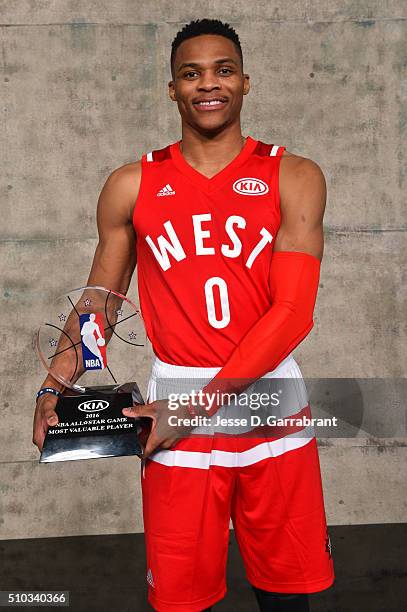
(167, 190)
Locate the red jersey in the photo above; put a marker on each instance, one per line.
(204, 248)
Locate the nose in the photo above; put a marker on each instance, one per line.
(208, 81)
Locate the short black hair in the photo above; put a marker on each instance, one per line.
(205, 26)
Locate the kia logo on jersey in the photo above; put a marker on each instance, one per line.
(250, 186)
(93, 341)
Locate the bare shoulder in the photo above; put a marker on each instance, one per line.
(127, 172)
(299, 173)
(126, 179)
(302, 188)
(121, 189)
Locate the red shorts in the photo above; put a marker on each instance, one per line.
(271, 489)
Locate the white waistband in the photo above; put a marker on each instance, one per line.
(161, 369)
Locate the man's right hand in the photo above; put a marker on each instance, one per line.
(44, 417)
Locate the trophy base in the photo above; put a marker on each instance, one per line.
(91, 425)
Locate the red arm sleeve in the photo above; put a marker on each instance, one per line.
(294, 278)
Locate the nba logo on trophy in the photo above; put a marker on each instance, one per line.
(93, 341)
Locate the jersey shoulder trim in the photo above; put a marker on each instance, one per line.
(268, 150)
(158, 155)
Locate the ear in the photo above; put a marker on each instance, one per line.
(171, 91)
(246, 84)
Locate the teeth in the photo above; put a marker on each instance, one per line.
(210, 103)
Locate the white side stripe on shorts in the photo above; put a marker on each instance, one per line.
(149, 156)
(274, 150)
(203, 461)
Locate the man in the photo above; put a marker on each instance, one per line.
(227, 235)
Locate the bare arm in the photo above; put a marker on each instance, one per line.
(303, 201)
(115, 257)
(113, 266)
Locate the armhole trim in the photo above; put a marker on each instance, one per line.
(276, 151)
(278, 165)
(138, 199)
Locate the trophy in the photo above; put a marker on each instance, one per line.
(92, 333)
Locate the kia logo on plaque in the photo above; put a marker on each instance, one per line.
(95, 406)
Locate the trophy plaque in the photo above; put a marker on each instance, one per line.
(92, 333)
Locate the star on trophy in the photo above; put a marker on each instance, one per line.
(92, 333)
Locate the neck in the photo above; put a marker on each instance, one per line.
(210, 150)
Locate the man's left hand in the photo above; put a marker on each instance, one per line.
(162, 434)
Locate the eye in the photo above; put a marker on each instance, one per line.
(189, 73)
(227, 69)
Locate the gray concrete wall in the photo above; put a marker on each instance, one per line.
(83, 92)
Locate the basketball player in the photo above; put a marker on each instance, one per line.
(227, 235)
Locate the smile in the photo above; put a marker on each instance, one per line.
(206, 105)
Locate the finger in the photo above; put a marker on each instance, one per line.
(139, 411)
(168, 444)
(40, 431)
(50, 417)
(143, 437)
(39, 437)
(152, 443)
(47, 411)
(39, 428)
